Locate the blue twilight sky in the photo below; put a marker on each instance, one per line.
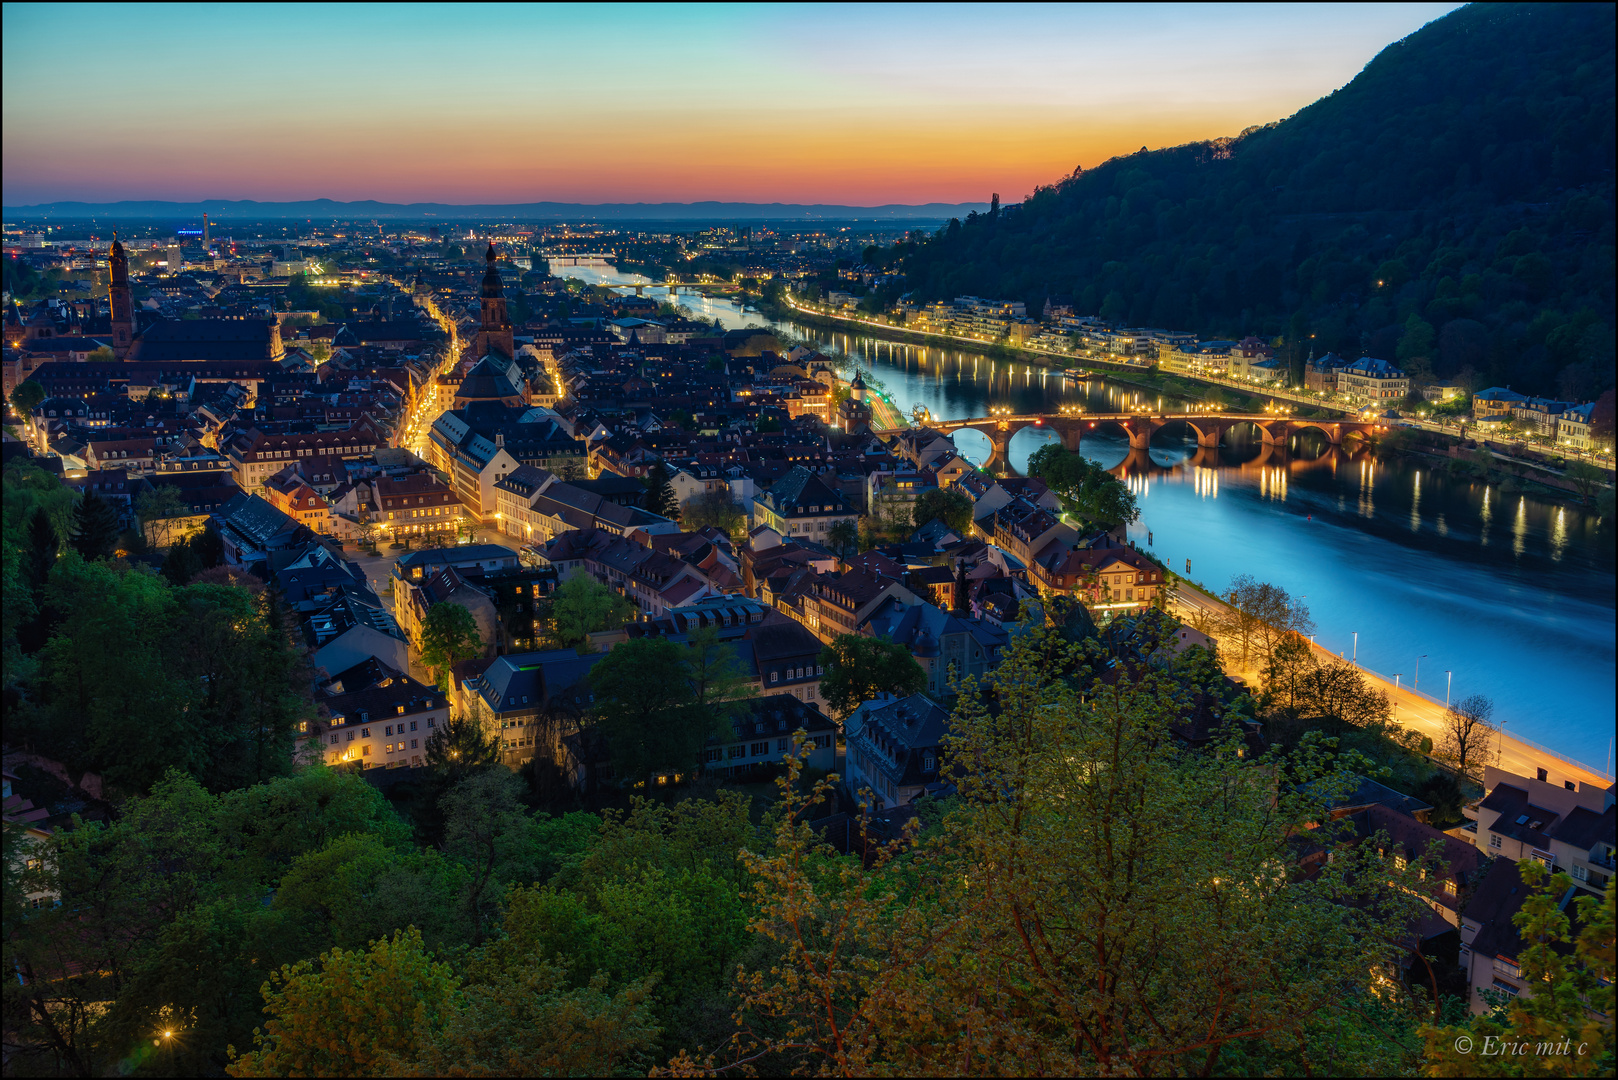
(857, 104)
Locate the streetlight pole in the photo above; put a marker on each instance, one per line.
(1356, 656)
(1419, 659)
(1449, 677)
(1396, 675)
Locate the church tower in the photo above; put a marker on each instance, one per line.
(121, 302)
(495, 334)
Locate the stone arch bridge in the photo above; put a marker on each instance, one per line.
(1210, 428)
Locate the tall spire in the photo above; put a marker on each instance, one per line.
(496, 333)
(120, 301)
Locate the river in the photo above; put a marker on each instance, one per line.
(1488, 592)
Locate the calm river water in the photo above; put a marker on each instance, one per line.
(1511, 596)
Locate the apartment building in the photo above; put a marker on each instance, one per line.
(1372, 382)
(1569, 827)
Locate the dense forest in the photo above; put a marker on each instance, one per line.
(1450, 208)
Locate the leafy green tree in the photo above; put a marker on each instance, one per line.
(158, 504)
(844, 537)
(714, 509)
(252, 683)
(208, 546)
(646, 711)
(115, 700)
(1416, 343)
(449, 634)
(951, 505)
(583, 606)
(719, 684)
(95, 527)
(459, 746)
(1085, 488)
(660, 895)
(181, 564)
(1008, 965)
(1570, 1004)
(270, 824)
(523, 1018)
(482, 816)
(1585, 478)
(26, 396)
(358, 888)
(44, 547)
(119, 885)
(387, 1003)
(859, 669)
(660, 498)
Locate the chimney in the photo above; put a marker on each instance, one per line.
(499, 439)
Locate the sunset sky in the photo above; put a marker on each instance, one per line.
(859, 105)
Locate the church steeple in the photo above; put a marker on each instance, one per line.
(120, 300)
(496, 333)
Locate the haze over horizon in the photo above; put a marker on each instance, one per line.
(857, 106)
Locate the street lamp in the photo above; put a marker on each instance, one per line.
(1396, 675)
(1449, 677)
(1419, 659)
(1356, 657)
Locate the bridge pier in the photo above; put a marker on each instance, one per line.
(999, 452)
(1210, 438)
(1071, 435)
(1140, 437)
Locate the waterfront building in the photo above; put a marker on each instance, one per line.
(1369, 382)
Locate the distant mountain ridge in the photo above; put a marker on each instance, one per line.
(1451, 208)
(250, 210)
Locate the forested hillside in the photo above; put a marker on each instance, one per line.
(1451, 207)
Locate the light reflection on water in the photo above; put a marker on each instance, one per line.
(1531, 626)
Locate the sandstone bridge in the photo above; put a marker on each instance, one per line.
(1210, 428)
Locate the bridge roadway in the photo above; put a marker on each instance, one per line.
(1210, 428)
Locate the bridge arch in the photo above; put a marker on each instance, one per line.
(1266, 436)
(1336, 432)
(1207, 433)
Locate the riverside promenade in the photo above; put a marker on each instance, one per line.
(1423, 713)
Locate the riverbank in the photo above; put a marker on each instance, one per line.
(1452, 455)
(1116, 371)
(1411, 707)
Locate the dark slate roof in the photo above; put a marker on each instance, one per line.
(257, 521)
(1499, 897)
(461, 555)
(524, 480)
(799, 489)
(776, 714)
(1463, 860)
(1371, 793)
(487, 381)
(381, 700)
(204, 339)
(612, 487)
(1519, 818)
(1583, 828)
(528, 681)
(907, 726)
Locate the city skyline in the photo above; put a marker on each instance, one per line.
(871, 106)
